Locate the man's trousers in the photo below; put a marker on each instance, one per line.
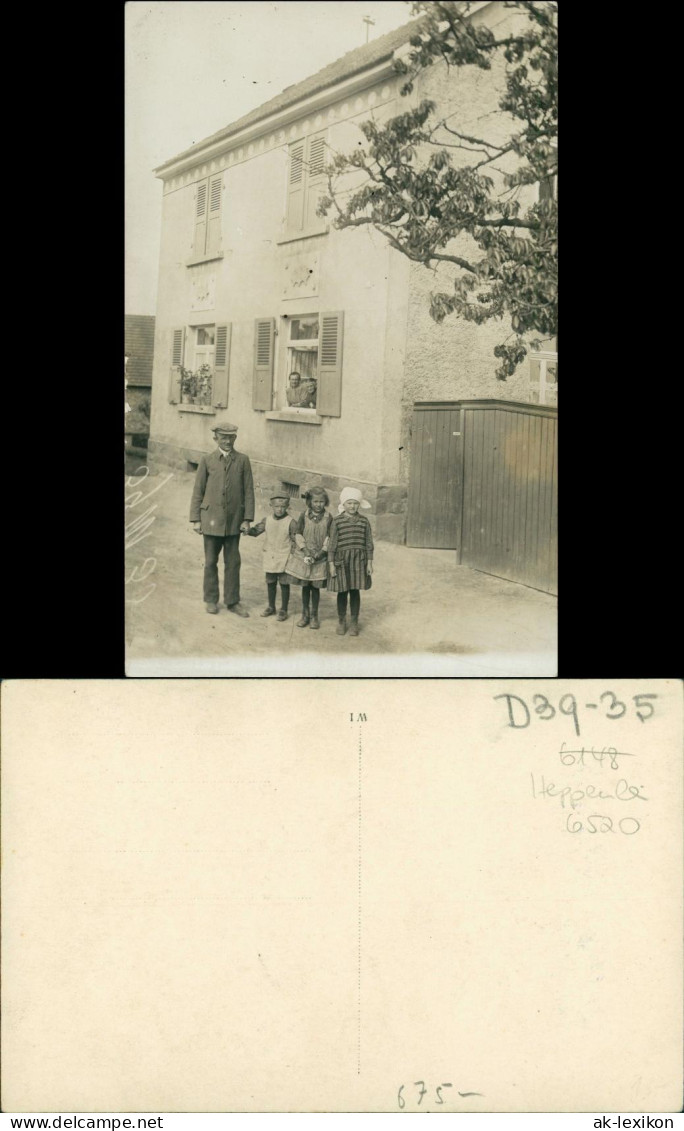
(230, 545)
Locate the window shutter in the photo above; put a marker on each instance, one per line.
(221, 366)
(316, 155)
(177, 350)
(329, 402)
(295, 187)
(317, 158)
(200, 218)
(215, 189)
(264, 336)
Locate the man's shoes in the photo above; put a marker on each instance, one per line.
(211, 607)
(282, 615)
(341, 626)
(354, 626)
(269, 611)
(238, 609)
(314, 622)
(304, 621)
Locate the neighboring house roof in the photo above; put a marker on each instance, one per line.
(360, 59)
(139, 348)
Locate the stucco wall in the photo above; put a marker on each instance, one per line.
(353, 272)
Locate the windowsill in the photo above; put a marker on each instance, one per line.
(295, 417)
(291, 237)
(207, 409)
(194, 259)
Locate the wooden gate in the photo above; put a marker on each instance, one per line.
(493, 464)
(436, 487)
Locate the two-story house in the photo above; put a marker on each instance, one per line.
(315, 342)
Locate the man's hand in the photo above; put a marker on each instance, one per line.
(244, 527)
(197, 527)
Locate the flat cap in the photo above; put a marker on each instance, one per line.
(224, 429)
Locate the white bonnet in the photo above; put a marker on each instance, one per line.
(352, 493)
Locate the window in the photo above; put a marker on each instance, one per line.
(200, 357)
(308, 381)
(306, 184)
(197, 379)
(544, 377)
(301, 389)
(207, 237)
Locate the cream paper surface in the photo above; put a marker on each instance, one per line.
(242, 896)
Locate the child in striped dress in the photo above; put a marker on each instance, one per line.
(307, 563)
(276, 527)
(350, 557)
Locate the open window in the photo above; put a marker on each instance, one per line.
(200, 357)
(300, 391)
(308, 379)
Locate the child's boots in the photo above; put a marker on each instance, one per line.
(354, 626)
(341, 626)
(304, 619)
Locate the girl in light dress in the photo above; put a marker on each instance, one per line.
(307, 563)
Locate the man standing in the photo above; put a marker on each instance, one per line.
(222, 508)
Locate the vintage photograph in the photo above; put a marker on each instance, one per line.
(341, 339)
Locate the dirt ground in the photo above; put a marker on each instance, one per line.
(424, 616)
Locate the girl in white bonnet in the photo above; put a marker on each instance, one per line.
(350, 557)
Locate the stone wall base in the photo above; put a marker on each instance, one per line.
(388, 501)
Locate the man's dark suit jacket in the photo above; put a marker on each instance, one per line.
(223, 495)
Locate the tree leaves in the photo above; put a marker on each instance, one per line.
(427, 184)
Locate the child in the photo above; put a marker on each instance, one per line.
(306, 564)
(350, 557)
(276, 550)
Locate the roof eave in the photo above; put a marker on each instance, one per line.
(346, 87)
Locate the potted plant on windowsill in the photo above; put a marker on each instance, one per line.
(203, 385)
(196, 385)
(188, 385)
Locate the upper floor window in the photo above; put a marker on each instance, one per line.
(306, 184)
(207, 232)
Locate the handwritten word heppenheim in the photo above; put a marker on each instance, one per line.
(575, 795)
(608, 707)
(137, 530)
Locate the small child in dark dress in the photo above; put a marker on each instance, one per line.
(350, 557)
(276, 527)
(307, 563)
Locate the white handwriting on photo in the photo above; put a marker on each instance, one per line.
(136, 530)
